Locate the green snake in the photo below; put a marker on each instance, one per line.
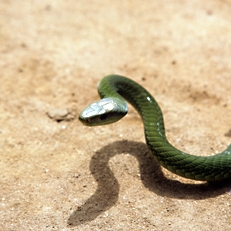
(113, 90)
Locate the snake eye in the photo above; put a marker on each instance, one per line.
(103, 117)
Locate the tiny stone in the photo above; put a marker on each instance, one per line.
(60, 114)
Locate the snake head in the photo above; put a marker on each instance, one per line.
(104, 111)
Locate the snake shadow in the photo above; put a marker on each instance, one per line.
(152, 177)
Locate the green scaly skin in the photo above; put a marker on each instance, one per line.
(209, 168)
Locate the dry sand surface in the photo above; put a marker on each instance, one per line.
(55, 173)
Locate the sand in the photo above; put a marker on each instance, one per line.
(57, 174)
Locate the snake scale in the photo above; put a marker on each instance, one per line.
(114, 90)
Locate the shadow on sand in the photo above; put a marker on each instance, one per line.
(152, 177)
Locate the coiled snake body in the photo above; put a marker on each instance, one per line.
(114, 89)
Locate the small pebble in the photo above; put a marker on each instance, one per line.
(60, 114)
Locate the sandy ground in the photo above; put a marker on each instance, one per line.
(61, 175)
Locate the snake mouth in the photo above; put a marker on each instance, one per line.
(85, 121)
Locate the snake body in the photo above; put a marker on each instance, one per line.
(114, 90)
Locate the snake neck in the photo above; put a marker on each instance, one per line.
(126, 89)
